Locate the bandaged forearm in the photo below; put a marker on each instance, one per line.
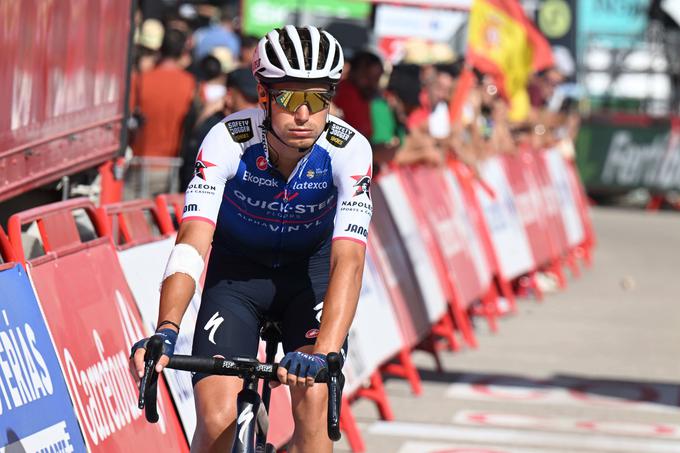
(185, 259)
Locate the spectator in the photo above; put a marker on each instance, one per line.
(241, 94)
(402, 94)
(213, 71)
(163, 95)
(248, 46)
(219, 34)
(241, 90)
(364, 107)
(356, 92)
(147, 45)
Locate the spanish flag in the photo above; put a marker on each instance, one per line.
(504, 43)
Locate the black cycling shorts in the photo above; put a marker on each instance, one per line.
(239, 295)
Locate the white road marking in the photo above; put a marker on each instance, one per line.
(631, 396)
(574, 425)
(440, 447)
(513, 437)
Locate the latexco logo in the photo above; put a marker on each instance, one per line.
(306, 185)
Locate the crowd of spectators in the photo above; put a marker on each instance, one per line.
(192, 70)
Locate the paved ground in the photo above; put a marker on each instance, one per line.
(595, 368)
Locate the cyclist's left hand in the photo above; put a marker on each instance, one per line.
(299, 368)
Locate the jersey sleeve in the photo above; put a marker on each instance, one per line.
(216, 163)
(352, 172)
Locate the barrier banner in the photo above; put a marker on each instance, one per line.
(571, 219)
(374, 336)
(530, 205)
(143, 266)
(36, 413)
(397, 272)
(94, 323)
(507, 232)
(552, 208)
(436, 208)
(411, 234)
(464, 213)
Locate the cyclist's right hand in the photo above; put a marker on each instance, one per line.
(169, 339)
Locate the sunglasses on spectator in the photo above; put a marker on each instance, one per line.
(291, 100)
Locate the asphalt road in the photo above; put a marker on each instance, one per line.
(594, 368)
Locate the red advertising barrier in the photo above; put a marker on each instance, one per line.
(427, 195)
(530, 205)
(467, 180)
(94, 322)
(132, 223)
(6, 251)
(169, 207)
(556, 231)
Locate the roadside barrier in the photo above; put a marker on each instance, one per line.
(143, 252)
(446, 244)
(32, 381)
(93, 321)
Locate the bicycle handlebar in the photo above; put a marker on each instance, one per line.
(237, 366)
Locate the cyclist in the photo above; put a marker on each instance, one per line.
(282, 192)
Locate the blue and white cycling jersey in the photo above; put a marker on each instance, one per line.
(267, 218)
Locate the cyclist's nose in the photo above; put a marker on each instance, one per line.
(302, 114)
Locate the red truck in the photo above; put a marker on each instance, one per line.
(63, 86)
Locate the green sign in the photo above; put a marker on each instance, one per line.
(616, 158)
(260, 16)
(616, 23)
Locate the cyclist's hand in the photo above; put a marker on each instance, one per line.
(169, 337)
(299, 368)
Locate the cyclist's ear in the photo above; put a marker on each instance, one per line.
(263, 96)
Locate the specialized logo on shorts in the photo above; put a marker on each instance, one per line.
(363, 183)
(212, 325)
(312, 333)
(261, 163)
(201, 165)
(319, 309)
(240, 130)
(339, 135)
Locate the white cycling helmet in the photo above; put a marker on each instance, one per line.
(298, 54)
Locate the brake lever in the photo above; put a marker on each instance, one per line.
(148, 385)
(336, 381)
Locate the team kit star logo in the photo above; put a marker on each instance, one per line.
(201, 165)
(363, 183)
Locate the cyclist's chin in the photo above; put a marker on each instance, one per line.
(300, 142)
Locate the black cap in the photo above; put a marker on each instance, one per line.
(243, 80)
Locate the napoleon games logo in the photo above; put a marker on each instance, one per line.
(201, 165)
(363, 183)
(261, 163)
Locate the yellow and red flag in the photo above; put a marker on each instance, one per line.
(504, 43)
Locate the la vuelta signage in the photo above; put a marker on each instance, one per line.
(36, 413)
(94, 323)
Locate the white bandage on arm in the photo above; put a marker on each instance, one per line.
(185, 259)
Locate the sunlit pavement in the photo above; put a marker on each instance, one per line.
(595, 368)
